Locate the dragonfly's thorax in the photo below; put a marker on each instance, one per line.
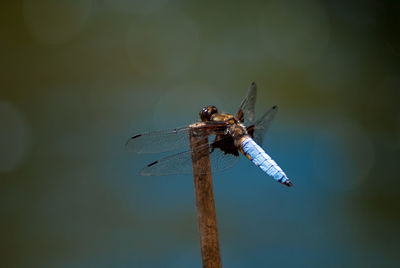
(227, 118)
(238, 133)
(233, 127)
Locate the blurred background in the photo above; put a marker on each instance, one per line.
(78, 78)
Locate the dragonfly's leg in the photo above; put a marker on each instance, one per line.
(217, 137)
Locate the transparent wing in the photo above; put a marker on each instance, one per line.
(259, 129)
(164, 140)
(246, 110)
(159, 141)
(175, 164)
(221, 161)
(181, 163)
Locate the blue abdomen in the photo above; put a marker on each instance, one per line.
(261, 159)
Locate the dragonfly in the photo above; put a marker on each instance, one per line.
(228, 136)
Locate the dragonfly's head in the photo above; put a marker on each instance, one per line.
(207, 112)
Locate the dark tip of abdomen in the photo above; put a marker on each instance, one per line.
(288, 183)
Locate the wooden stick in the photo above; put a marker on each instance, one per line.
(206, 216)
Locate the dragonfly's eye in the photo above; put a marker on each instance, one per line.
(207, 112)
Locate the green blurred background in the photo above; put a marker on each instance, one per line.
(79, 77)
